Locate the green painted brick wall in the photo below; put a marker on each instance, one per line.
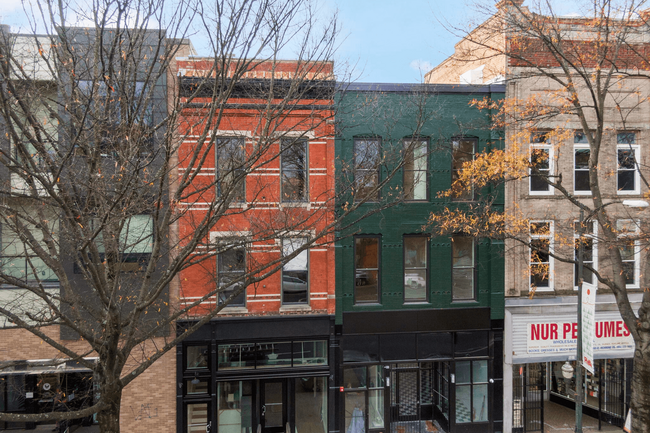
(394, 116)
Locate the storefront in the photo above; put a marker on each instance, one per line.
(540, 355)
(408, 372)
(253, 375)
(43, 386)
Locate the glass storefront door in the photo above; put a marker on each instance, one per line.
(273, 416)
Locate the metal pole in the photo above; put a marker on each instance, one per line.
(581, 251)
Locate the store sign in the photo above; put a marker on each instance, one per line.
(561, 336)
(588, 326)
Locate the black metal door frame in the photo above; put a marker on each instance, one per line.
(528, 397)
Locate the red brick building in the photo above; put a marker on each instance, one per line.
(266, 180)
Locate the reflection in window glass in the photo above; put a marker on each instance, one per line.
(197, 356)
(366, 269)
(309, 353)
(197, 417)
(463, 152)
(355, 412)
(479, 408)
(415, 169)
(295, 273)
(366, 168)
(270, 355)
(354, 377)
(234, 406)
(415, 268)
(311, 404)
(463, 268)
(234, 356)
(196, 386)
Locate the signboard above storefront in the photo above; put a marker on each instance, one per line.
(561, 337)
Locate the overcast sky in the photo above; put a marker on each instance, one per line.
(382, 40)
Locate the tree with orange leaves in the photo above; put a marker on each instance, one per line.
(575, 170)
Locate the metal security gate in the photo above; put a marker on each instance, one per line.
(612, 386)
(528, 397)
(405, 404)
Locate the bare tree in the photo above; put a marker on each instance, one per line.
(98, 189)
(575, 112)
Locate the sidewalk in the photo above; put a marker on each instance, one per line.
(558, 418)
(47, 428)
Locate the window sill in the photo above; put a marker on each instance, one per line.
(297, 307)
(234, 310)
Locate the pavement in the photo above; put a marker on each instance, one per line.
(47, 428)
(558, 418)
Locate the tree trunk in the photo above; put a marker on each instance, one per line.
(641, 385)
(109, 418)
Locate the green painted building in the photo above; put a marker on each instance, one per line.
(420, 318)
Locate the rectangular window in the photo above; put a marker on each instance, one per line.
(293, 167)
(415, 169)
(628, 231)
(366, 269)
(581, 154)
(627, 179)
(105, 109)
(472, 391)
(295, 273)
(415, 268)
(540, 258)
(366, 168)
(230, 163)
(231, 265)
(18, 259)
(463, 150)
(541, 156)
(463, 267)
(135, 244)
(590, 254)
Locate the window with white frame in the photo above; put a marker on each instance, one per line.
(295, 273)
(629, 247)
(627, 157)
(581, 152)
(541, 161)
(541, 262)
(589, 253)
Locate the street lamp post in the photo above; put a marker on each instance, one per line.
(581, 250)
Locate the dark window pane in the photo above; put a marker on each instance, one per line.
(582, 181)
(626, 181)
(231, 160)
(360, 348)
(397, 346)
(582, 159)
(539, 275)
(435, 345)
(294, 170)
(471, 343)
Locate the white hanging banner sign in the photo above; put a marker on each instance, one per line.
(588, 326)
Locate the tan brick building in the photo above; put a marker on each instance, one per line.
(550, 141)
